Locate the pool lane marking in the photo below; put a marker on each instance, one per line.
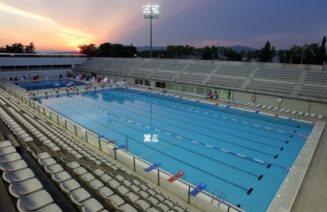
(187, 163)
(222, 150)
(259, 151)
(151, 101)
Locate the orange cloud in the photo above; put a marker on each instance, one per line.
(71, 37)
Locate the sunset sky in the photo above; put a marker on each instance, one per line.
(64, 24)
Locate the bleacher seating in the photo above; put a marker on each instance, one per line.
(280, 74)
(226, 82)
(313, 91)
(273, 87)
(316, 78)
(191, 78)
(233, 70)
(200, 68)
(266, 78)
(163, 75)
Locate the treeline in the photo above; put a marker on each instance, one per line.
(18, 48)
(108, 50)
(307, 54)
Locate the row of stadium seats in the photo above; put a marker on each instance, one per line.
(277, 79)
(90, 180)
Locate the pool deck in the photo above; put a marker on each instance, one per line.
(288, 192)
(312, 195)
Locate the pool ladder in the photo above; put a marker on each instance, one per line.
(219, 197)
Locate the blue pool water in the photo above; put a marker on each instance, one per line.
(46, 84)
(242, 155)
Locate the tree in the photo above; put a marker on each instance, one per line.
(18, 48)
(322, 52)
(89, 49)
(30, 48)
(267, 53)
(15, 48)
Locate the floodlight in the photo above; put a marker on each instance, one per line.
(151, 11)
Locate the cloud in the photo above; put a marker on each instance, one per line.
(73, 36)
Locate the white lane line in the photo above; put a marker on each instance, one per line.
(260, 161)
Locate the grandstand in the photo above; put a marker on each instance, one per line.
(46, 165)
(264, 82)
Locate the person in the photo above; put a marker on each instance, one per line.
(210, 95)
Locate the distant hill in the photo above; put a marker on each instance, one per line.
(237, 48)
(147, 48)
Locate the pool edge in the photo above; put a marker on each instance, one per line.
(287, 193)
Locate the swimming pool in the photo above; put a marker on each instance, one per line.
(244, 156)
(46, 84)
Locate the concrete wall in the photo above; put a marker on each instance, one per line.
(37, 61)
(30, 73)
(288, 103)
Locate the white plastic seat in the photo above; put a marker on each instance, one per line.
(91, 205)
(34, 201)
(152, 210)
(69, 185)
(106, 192)
(96, 184)
(98, 172)
(13, 166)
(53, 168)
(87, 177)
(132, 196)
(7, 150)
(80, 170)
(47, 161)
(116, 200)
(163, 206)
(119, 178)
(25, 187)
(106, 177)
(61, 176)
(79, 195)
(122, 189)
(73, 165)
(50, 208)
(143, 204)
(114, 183)
(5, 144)
(10, 157)
(18, 176)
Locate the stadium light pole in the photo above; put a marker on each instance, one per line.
(151, 11)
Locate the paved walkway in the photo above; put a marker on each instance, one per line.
(312, 195)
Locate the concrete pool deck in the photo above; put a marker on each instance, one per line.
(312, 195)
(285, 197)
